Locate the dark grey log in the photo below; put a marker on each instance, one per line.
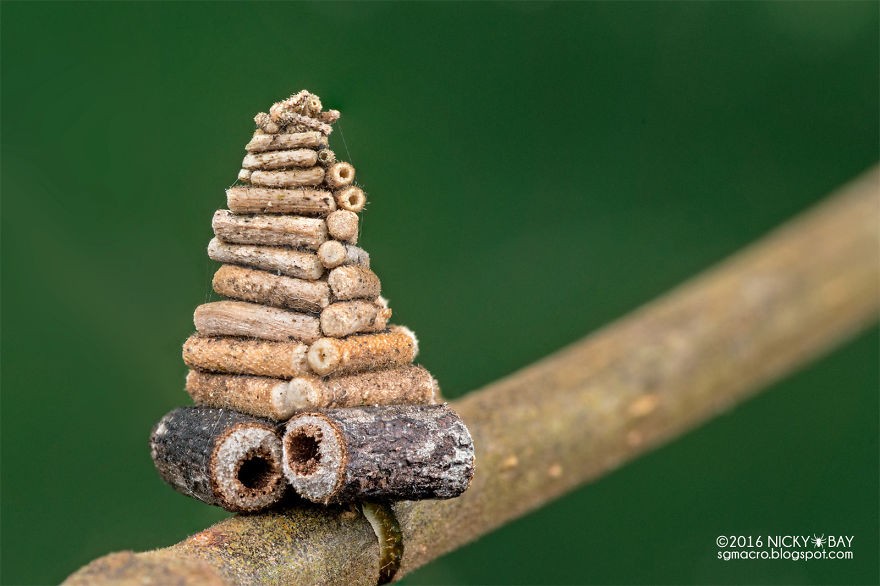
(220, 457)
(399, 452)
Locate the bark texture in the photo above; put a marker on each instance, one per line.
(354, 282)
(285, 261)
(643, 380)
(246, 356)
(342, 455)
(268, 289)
(333, 253)
(255, 395)
(249, 320)
(268, 200)
(270, 142)
(393, 386)
(343, 225)
(351, 317)
(395, 347)
(270, 230)
(289, 177)
(220, 457)
(280, 159)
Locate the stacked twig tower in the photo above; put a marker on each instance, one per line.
(297, 377)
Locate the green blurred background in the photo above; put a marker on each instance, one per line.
(557, 164)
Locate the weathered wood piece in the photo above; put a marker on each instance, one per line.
(278, 399)
(220, 457)
(354, 282)
(294, 231)
(291, 122)
(280, 159)
(246, 356)
(396, 347)
(286, 261)
(343, 225)
(351, 198)
(333, 253)
(407, 384)
(289, 178)
(270, 142)
(400, 452)
(351, 317)
(339, 174)
(239, 318)
(255, 395)
(303, 102)
(326, 157)
(269, 200)
(267, 125)
(276, 290)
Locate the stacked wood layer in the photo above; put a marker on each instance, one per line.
(302, 326)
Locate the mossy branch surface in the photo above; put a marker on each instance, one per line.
(574, 416)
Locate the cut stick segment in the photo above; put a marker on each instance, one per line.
(278, 399)
(333, 253)
(293, 263)
(351, 198)
(343, 455)
(343, 225)
(326, 157)
(270, 142)
(280, 159)
(354, 282)
(293, 231)
(351, 317)
(220, 457)
(238, 318)
(339, 174)
(406, 385)
(290, 178)
(254, 395)
(264, 121)
(246, 356)
(395, 347)
(269, 289)
(259, 200)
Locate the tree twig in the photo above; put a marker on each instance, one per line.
(589, 408)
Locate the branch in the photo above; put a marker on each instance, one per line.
(576, 415)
